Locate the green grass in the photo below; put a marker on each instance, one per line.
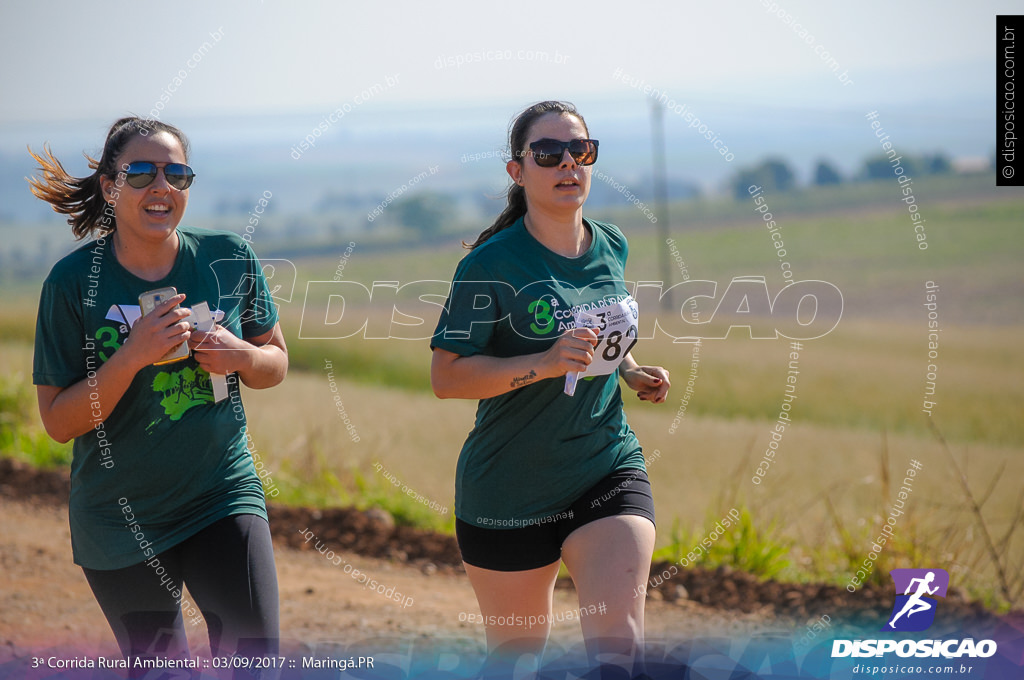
(394, 363)
(309, 478)
(21, 437)
(762, 552)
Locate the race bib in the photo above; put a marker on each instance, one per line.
(616, 327)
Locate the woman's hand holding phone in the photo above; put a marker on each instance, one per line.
(157, 333)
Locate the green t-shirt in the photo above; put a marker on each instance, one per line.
(168, 460)
(535, 450)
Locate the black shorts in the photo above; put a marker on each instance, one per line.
(623, 492)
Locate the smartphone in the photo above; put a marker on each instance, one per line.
(148, 302)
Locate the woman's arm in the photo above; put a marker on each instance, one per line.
(649, 382)
(69, 412)
(479, 376)
(260, 361)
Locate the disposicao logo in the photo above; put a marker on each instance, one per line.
(913, 611)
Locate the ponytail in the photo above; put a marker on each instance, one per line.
(82, 198)
(514, 209)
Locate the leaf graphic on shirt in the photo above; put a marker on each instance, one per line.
(182, 390)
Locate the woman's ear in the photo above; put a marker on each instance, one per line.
(515, 171)
(110, 192)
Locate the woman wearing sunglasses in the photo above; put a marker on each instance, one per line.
(551, 472)
(163, 489)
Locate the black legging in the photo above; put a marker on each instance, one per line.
(229, 570)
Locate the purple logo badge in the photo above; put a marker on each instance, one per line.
(916, 590)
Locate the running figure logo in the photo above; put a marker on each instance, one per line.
(915, 611)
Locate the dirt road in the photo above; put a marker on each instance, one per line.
(45, 601)
(428, 604)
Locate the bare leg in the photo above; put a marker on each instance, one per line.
(918, 607)
(609, 559)
(909, 604)
(508, 598)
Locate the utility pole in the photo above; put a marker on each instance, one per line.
(661, 197)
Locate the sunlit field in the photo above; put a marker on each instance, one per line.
(857, 421)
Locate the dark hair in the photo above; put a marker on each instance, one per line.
(518, 133)
(82, 198)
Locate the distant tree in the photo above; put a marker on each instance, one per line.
(744, 179)
(877, 167)
(425, 212)
(782, 178)
(938, 164)
(825, 174)
(881, 166)
(773, 175)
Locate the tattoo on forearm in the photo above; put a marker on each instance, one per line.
(524, 379)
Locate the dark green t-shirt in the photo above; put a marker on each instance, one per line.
(535, 450)
(168, 460)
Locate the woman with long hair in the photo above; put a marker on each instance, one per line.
(539, 326)
(164, 493)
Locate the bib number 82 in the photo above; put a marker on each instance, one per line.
(613, 349)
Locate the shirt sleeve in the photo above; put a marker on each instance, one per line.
(472, 311)
(619, 244)
(258, 311)
(60, 343)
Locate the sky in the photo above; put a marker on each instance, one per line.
(388, 88)
(65, 61)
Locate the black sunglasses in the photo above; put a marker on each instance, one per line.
(142, 173)
(547, 153)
